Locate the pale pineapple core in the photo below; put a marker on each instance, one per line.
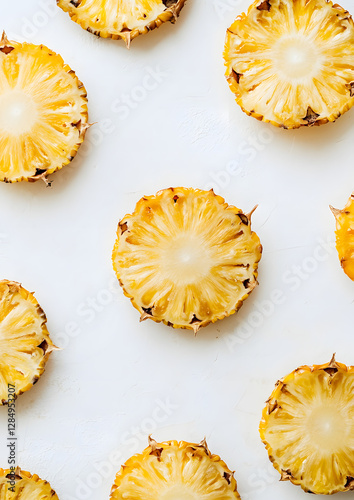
(178, 492)
(325, 426)
(185, 259)
(18, 112)
(296, 58)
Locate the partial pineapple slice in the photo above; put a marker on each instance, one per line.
(24, 339)
(175, 471)
(21, 485)
(124, 19)
(308, 427)
(345, 236)
(291, 62)
(43, 112)
(186, 258)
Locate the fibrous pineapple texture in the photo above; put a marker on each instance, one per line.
(291, 62)
(43, 112)
(345, 236)
(124, 19)
(186, 258)
(308, 428)
(24, 339)
(175, 471)
(22, 485)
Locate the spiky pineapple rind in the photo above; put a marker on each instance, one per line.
(82, 125)
(196, 324)
(156, 449)
(233, 78)
(48, 347)
(332, 368)
(170, 14)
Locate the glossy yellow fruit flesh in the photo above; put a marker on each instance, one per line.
(24, 339)
(124, 19)
(43, 112)
(175, 471)
(186, 258)
(308, 428)
(291, 62)
(26, 486)
(345, 236)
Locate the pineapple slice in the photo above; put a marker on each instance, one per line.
(308, 428)
(22, 485)
(24, 339)
(291, 62)
(121, 19)
(175, 471)
(345, 236)
(43, 112)
(186, 258)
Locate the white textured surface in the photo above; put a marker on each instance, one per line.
(100, 393)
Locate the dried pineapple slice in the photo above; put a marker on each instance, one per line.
(186, 258)
(175, 471)
(26, 486)
(291, 62)
(121, 19)
(308, 428)
(345, 236)
(43, 112)
(24, 339)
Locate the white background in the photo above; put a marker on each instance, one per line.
(100, 392)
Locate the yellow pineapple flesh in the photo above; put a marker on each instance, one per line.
(175, 471)
(25, 344)
(186, 258)
(121, 19)
(345, 236)
(43, 112)
(308, 428)
(21, 485)
(291, 62)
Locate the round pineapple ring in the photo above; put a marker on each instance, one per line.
(291, 62)
(308, 428)
(43, 112)
(175, 471)
(121, 19)
(345, 236)
(24, 339)
(186, 258)
(25, 486)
